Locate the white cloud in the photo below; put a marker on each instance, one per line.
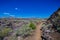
(12, 15)
(6, 13)
(16, 8)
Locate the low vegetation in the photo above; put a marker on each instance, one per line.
(26, 30)
(5, 32)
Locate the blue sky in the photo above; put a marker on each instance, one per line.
(28, 8)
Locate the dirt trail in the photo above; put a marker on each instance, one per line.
(38, 33)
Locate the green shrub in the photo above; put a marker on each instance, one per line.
(4, 32)
(32, 25)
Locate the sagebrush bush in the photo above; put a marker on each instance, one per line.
(32, 25)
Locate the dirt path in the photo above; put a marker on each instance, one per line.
(38, 32)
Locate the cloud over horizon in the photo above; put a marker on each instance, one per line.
(9, 14)
(6, 13)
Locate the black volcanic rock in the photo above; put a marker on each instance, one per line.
(58, 9)
(55, 19)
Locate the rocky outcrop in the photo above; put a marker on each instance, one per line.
(55, 19)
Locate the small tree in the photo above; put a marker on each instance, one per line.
(32, 25)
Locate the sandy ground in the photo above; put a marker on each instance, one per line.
(37, 33)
